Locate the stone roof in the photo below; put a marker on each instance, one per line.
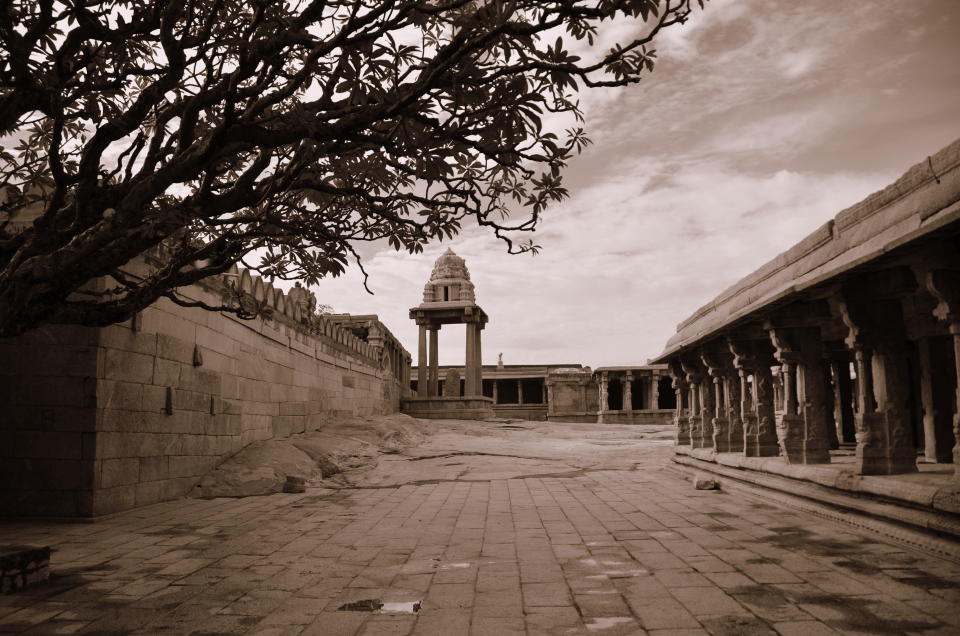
(925, 199)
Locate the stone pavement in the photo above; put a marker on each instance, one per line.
(604, 552)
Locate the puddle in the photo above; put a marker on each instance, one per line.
(411, 607)
(454, 566)
(374, 605)
(366, 605)
(598, 624)
(625, 574)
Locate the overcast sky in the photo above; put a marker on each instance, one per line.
(762, 119)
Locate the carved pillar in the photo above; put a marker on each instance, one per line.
(767, 444)
(469, 370)
(945, 287)
(423, 379)
(434, 358)
(495, 381)
(519, 391)
(726, 423)
(701, 405)
(756, 399)
(681, 416)
(807, 419)
(842, 398)
(628, 391)
(877, 337)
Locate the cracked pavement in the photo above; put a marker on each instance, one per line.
(535, 529)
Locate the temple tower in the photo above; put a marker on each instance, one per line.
(449, 298)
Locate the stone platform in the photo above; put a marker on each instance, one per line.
(448, 408)
(927, 501)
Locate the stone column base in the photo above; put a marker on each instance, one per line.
(796, 447)
(875, 453)
(721, 434)
(682, 425)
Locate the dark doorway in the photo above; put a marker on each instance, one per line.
(532, 390)
(666, 398)
(507, 392)
(615, 395)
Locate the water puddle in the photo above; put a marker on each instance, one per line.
(455, 566)
(374, 605)
(411, 607)
(599, 624)
(366, 605)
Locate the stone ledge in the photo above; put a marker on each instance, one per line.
(22, 565)
(900, 504)
(945, 498)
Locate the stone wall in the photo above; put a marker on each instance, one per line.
(660, 417)
(101, 420)
(532, 412)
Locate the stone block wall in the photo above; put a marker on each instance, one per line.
(658, 417)
(48, 420)
(102, 420)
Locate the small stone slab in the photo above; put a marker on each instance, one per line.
(705, 483)
(23, 565)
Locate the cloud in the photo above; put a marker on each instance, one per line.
(623, 264)
(760, 122)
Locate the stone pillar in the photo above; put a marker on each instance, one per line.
(495, 391)
(944, 285)
(955, 332)
(693, 376)
(719, 428)
(469, 371)
(765, 443)
(936, 394)
(478, 359)
(807, 419)
(681, 417)
(878, 338)
(842, 398)
(654, 391)
(603, 403)
(519, 391)
(434, 358)
(701, 405)
(707, 410)
(732, 400)
(423, 379)
(628, 391)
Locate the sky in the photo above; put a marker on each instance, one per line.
(762, 120)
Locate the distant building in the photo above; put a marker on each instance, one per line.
(573, 392)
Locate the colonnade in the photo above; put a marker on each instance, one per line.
(872, 361)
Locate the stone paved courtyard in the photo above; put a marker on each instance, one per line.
(623, 551)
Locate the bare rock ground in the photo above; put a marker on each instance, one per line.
(393, 450)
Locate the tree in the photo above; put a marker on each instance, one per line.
(286, 129)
